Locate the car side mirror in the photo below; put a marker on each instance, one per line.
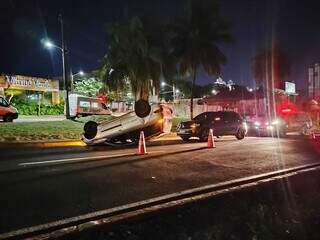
(10, 98)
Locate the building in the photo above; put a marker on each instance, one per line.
(34, 84)
(314, 81)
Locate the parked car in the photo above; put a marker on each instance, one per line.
(262, 125)
(7, 112)
(222, 123)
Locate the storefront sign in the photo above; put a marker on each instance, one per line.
(28, 83)
(290, 88)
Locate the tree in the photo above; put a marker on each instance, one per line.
(88, 86)
(136, 55)
(195, 39)
(271, 68)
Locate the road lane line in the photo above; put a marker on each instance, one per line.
(79, 159)
(114, 214)
(82, 159)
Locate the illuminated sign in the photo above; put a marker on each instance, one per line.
(28, 83)
(290, 88)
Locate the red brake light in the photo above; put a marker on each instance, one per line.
(286, 110)
(102, 99)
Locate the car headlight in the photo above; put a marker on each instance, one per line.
(256, 123)
(194, 125)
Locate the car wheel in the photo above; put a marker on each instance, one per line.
(304, 130)
(240, 134)
(185, 139)
(283, 133)
(203, 136)
(8, 118)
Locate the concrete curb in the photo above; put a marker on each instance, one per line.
(55, 144)
(78, 143)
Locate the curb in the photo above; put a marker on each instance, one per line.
(56, 144)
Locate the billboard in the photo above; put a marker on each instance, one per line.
(290, 88)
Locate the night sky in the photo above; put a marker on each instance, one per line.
(294, 24)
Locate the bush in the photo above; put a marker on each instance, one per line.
(31, 108)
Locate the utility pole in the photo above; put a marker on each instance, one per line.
(65, 77)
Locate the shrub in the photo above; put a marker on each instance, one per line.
(31, 108)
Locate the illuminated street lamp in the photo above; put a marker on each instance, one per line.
(174, 90)
(80, 73)
(49, 45)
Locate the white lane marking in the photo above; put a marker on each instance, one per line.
(166, 198)
(95, 157)
(82, 159)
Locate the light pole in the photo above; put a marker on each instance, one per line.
(174, 90)
(80, 73)
(48, 44)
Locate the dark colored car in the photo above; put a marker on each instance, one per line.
(222, 123)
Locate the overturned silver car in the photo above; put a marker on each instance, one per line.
(126, 128)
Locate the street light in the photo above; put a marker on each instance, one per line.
(80, 73)
(174, 90)
(49, 45)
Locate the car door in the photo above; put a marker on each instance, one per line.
(231, 122)
(3, 107)
(217, 121)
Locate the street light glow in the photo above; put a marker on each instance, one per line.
(177, 91)
(81, 73)
(111, 71)
(48, 44)
(214, 92)
(163, 84)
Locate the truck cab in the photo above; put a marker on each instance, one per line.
(7, 112)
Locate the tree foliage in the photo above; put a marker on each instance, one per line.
(142, 50)
(136, 55)
(88, 86)
(271, 68)
(195, 40)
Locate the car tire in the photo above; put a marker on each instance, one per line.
(203, 136)
(185, 139)
(283, 134)
(304, 130)
(240, 134)
(8, 118)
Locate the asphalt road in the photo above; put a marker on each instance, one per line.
(49, 185)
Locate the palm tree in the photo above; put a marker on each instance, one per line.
(195, 39)
(271, 68)
(136, 54)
